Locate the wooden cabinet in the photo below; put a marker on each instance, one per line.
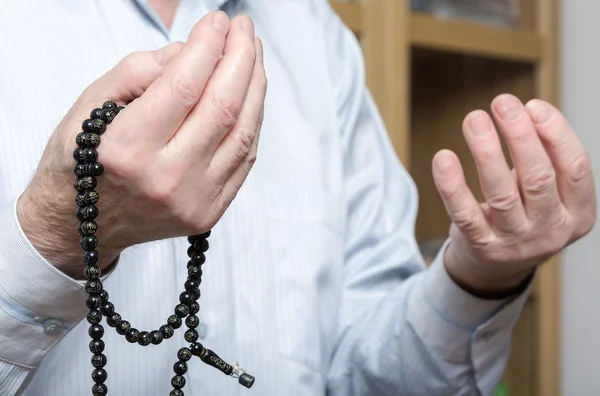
(426, 74)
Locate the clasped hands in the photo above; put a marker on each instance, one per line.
(176, 157)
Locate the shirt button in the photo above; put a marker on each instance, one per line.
(202, 330)
(52, 325)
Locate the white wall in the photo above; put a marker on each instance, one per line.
(581, 262)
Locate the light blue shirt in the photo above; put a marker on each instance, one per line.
(314, 281)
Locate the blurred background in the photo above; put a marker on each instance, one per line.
(430, 62)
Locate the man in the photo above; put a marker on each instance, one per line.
(313, 280)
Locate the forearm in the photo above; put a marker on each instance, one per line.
(427, 337)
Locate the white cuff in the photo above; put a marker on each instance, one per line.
(39, 304)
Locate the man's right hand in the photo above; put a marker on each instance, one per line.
(173, 159)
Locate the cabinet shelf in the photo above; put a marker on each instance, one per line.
(457, 36)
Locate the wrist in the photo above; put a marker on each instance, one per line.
(48, 222)
(484, 283)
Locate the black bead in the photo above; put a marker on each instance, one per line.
(182, 310)
(99, 376)
(88, 155)
(95, 113)
(194, 308)
(79, 170)
(191, 335)
(94, 316)
(98, 126)
(178, 382)
(206, 234)
(114, 320)
(86, 126)
(108, 115)
(193, 238)
(85, 183)
(104, 296)
(93, 301)
(192, 321)
(92, 140)
(91, 197)
(196, 348)
(90, 212)
(191, 284)
(167, 331)
(198, 258)
(176, 392)
(80, 139)
(184, 354)
(92, 272)
(144, 338)
(89, 227)
(107, 309)
(246, 380)
(96, 347)
(109, 104)
(186, 298)
(77, 154)
(96, 331)
(79, 200)
(93, 287)
(180, 367)
(89, 242)
(91, 257)
(174, 321)
(197, 294)
(123, 327)
(156, 337)
(190, 252)
(195, 272)
(201, 245)
(93, 169)
(99, 361)
(133, 335)
(99, 390)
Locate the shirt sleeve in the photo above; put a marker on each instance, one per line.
(39, 304)
(404, 328)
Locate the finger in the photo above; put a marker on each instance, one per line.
(535, 172)
(222, 100)
(130, 78)
(568, 155)
(160, 111)
(497, 184)
(238, 148)
(461, 205)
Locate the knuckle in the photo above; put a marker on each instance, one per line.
(242, 139)
(467, 219)
(185, 90)
(228, 112)
(504, 201)
(580, 169)
(540, 182)
(129, 65)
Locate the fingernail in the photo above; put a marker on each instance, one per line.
(247, 25)
(508, 107)
(538, 110)
(220, 20)
(480, 124)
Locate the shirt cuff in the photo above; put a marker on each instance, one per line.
(39, 304)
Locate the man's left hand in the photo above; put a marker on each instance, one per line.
(531, 212)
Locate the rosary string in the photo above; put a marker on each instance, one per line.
(87, 169)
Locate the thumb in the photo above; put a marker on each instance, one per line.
(130, 78)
